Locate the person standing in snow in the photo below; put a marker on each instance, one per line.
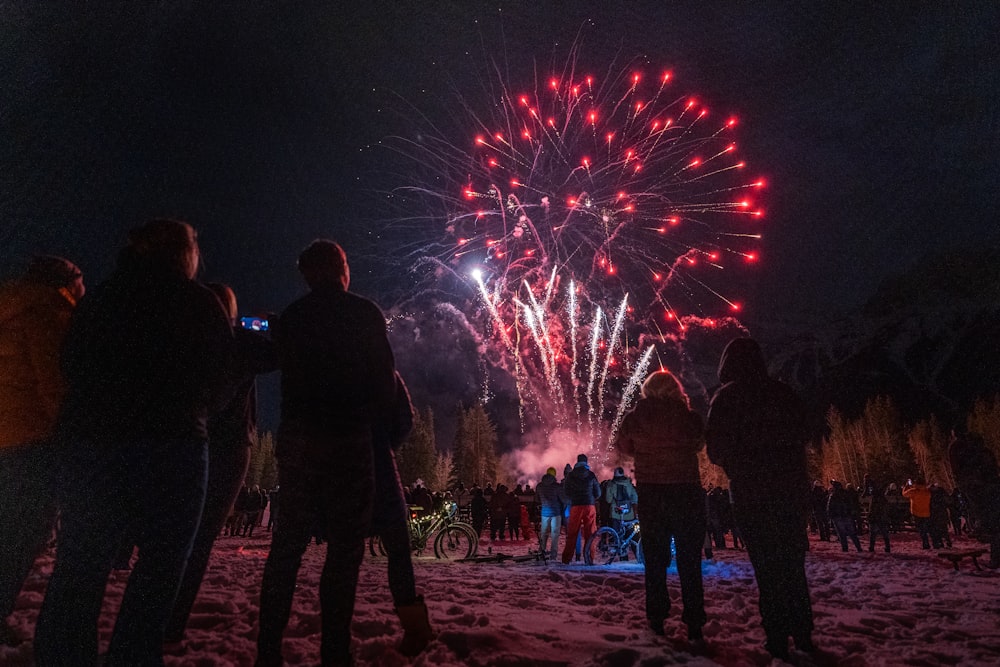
(35, 313)
(144, 361)
(840, 508)
(878, 518)
(920, 507)
(977, 474)
(664, 436)
(756, 433)
(337, 377)
(390, 521)
(550, 500)
(231, 432)
(582, 491)
(621, 497)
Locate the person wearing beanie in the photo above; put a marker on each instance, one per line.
(582, 491)
(35, 312)
(551, 502)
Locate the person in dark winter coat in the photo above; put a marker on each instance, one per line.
(582, 491)
(939, 517)
(840, 508)
(664, 436)
(878, 518)
(231, 432)
(513, 509)
(498, 511)
(819, 497)
(977, 474)
(479, 508)
(144, 361)
(337, 378)
(756, 433)
(35, 312)
(551, 501)
(391, 522)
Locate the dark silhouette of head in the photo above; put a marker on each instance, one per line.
(324, 264)
(742, 361)
(170, 245)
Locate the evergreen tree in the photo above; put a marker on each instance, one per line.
(474, 450)
(417, 458)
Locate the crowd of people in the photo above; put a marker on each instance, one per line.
(128, 411)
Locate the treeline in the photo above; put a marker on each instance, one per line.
(879, 443)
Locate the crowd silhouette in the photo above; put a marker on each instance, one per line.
(128, 411)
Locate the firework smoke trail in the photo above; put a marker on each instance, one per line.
(618, 186)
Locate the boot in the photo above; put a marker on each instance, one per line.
(417, 631)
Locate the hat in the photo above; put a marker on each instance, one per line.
(581, 458)
(51, 271)
(551, 471)
(619, 472)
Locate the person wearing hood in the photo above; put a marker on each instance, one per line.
(582, 491)
(977, 474)
(756, 432)
(35, 312)
(664, 437)
(550, 500)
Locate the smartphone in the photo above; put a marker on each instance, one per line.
(254, 323)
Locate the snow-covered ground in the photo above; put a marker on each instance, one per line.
(905, 608)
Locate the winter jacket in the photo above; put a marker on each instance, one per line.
(620, 493)
(146, 357)
(664, 437)
(756, 430)
(840, 505)
(580, 486)
(549, 496)
(920, 500)
(33, 323)
(337, 368)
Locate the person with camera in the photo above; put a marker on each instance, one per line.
(232, 430)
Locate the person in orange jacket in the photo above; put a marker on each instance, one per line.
(920, 507)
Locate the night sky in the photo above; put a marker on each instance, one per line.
(877, 128)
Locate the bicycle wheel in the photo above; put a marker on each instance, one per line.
(605, 544)
(454, 543)
(473, 535)
(375, 546)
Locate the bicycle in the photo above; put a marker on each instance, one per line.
(607, 544)
(453, 539)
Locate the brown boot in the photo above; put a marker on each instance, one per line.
(417, 631)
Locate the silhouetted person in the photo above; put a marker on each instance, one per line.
(144, 363)
(581, 490)
(665, 435)
(34, 315)
(976, 473)
(231, 432)
(756, 433)
(337, 377)
(391, 522)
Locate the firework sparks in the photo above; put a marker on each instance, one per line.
(629, 191)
